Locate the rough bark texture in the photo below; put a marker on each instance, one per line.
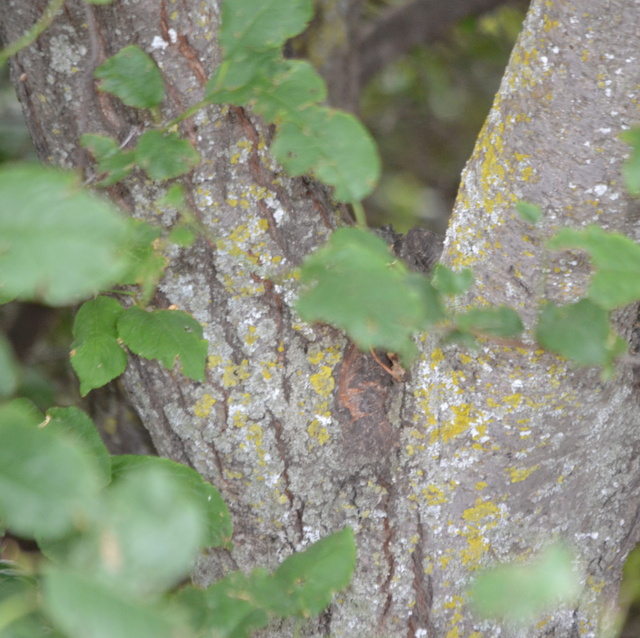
(475, 456)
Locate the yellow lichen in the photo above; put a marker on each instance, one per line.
(323, 382)
(518, 475)
(203, 406)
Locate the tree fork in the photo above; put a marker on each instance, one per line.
(473, 456)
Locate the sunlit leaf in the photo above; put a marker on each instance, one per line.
(529, 212)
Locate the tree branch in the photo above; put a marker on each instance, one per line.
(419, 22)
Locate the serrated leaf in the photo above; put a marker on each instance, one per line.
(166, 335)
(358, 286)
(499, 321)
(529, 213)
(334, 146)
(616, 258)
(47, 483)
(78, 427)
(219, 527)
(519, 592)
(261, 24)
(132, 76)
(451, 282)
(165, 155)
(578, 331)
(96, 355)
(81, 607)
(631, 168)
(112, 160)
(313, 576)
(149, 534)
(58, 244)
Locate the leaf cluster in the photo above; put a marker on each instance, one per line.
(119, 533)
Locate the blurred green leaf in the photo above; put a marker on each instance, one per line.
(529, 212)
(520, 592)
(356, 284)
(96, 354)
(631, 168)
(451, 282)
(146, 261)
(83, 608)
(47, 482)
(132, 76)
(149, 535)
(580, 332)
(79, 428)
(217, 519)
(500, 321)
(58, 244)
(165, 155)
(616, 258)
(166, 335)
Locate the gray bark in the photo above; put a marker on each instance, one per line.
(474, 456)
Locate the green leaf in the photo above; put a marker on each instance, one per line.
(261, 24)
(9, 369)
(237, 81)
(47, 482)
(334, 146)
(616, 281)
(132, 76)
(631, 168)
(182, 235)
(147, 263)
(79, 428)
(224, 607)
(217, 519)
(149, 535)
(500, 321)
(529, 212)
(520, 592)
(165, 155)
(451, 282)
(113, 161)
(58, 244)
(165, 335)
(358, 286)
(96, 354)
(294, 87)
(83, 608)
(580, 332)
(312, 577)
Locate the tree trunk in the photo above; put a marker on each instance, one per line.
(474, 456)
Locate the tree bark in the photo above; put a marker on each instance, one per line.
(474, 456)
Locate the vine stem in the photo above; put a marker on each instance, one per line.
(30, 36)
(358, 212)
